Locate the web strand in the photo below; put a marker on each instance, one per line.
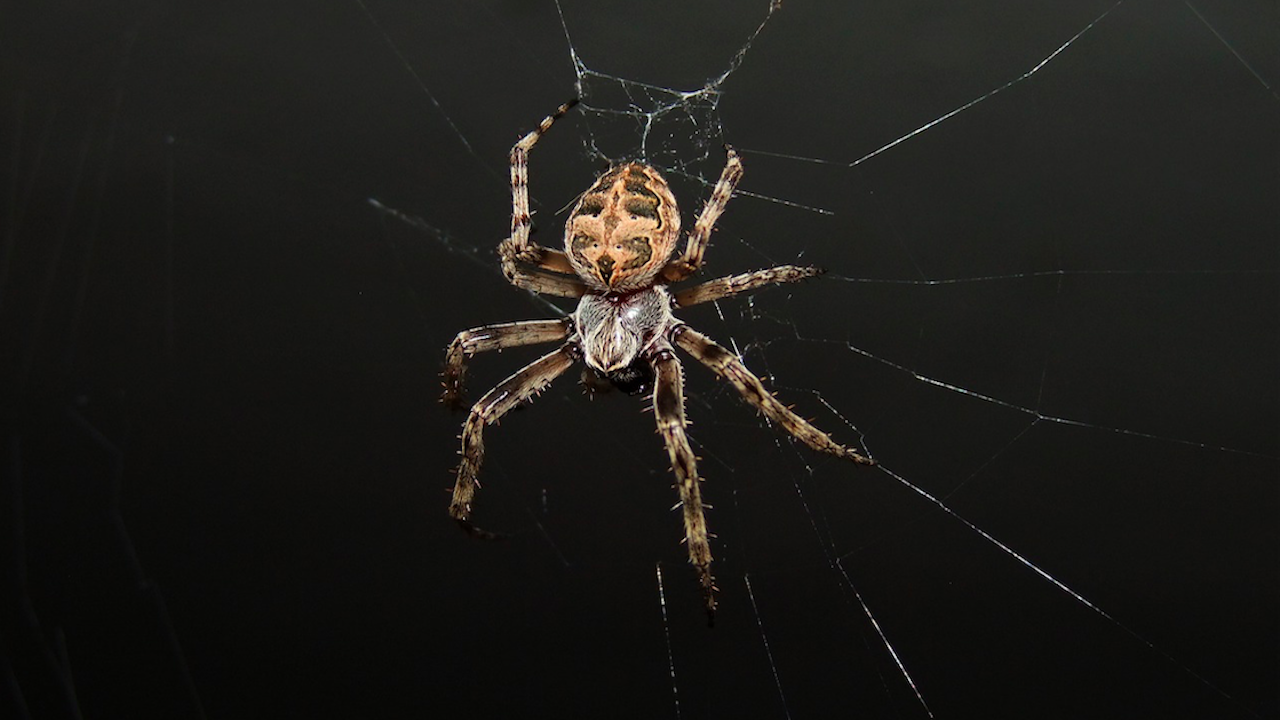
(1234, 51)
(884, 639)
(1044, 574)
(666, 634)
(948, 115)
(764, 639)
(648, 106)
(826, 543)
(1039, 416)
(413, 73)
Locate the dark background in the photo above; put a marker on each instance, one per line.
(225, 469)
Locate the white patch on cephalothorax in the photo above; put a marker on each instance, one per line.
(615, 329)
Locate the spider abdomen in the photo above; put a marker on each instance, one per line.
(623, 230)
(615, 329)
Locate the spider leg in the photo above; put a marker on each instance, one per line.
(691, 259)
(728, 366)
(522, 386)
(493, 337)
(518, 248)
(668, 407)
(555, 261)
(746, 282)
(540, 282)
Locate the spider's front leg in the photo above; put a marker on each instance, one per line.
(668, 408)
(513, 391)
(493, 337)
(728, 366)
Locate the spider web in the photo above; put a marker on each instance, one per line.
(237, 242)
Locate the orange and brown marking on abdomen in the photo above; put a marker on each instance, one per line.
(624, 229)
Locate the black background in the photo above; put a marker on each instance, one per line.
(225, 470)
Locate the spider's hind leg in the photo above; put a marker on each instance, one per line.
(517, 248)
(690, 260)
(746, 282)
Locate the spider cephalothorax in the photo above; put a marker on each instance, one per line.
(619, 257)
(615, 329)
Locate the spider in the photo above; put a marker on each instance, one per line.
(619, 259)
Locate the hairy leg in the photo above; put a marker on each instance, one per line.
(540, 282)
(510, 393)
(691, 259)
(493, 337)
(668, 408)
(518, 248)
(746, 282)
(728, 366)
